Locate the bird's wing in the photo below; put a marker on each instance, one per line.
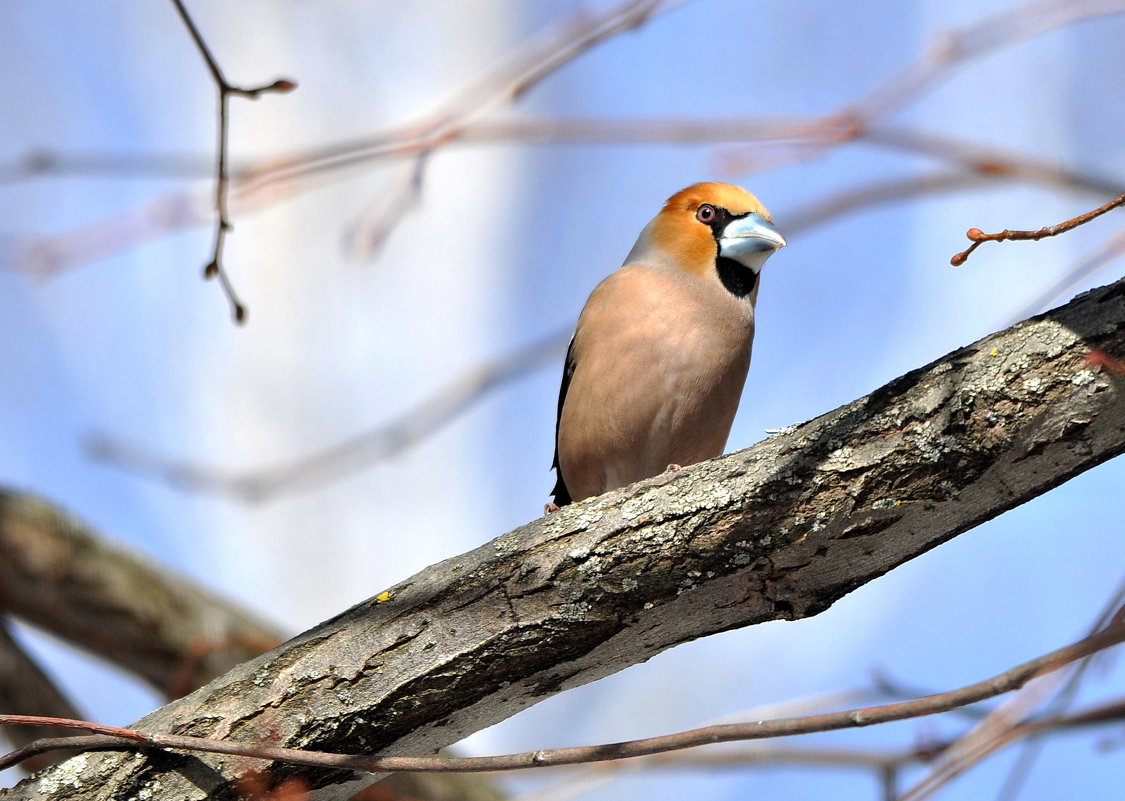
(560, 492)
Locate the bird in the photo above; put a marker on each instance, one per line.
(659, 356)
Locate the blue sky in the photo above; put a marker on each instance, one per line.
(508, 241)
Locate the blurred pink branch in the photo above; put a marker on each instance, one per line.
(344, 458)
(776, 140)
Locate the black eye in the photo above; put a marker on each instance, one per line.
(705, 213)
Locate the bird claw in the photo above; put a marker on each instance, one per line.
(550, 508)
(672, 468)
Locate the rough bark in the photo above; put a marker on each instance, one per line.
(780, 530)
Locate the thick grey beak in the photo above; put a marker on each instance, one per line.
(750, 240)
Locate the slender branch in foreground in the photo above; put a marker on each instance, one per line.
(889, 761)
(214, 268)
(1021, 768)
(978, 237)
(1002, 683)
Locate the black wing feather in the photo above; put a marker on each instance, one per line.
(560, 492)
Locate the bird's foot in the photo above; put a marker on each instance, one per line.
(550, 508)
(672, 468)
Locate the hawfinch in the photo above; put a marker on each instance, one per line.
(658, 359)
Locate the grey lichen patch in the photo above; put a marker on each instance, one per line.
(67, 775)
(593, 568)
(570, 591)
(1035, 385)
(580, 553)
(573, 519)
(719, 497)
(572, 612)
(931, 442)
(1051, 339)
(634, 508)
(1083, 378)
(153, 790)
(746, 551)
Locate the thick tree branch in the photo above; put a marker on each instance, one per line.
(781, 530)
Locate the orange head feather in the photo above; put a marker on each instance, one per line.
(681, 232)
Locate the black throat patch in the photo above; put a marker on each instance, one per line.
(739, 279)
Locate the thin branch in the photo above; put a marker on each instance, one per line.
(1005, 682)
(374, 226)
(908, 84)
(890, 687)
(49, 164)
(345, 458)
(215, 268)
(978, 237)
(1113, 711)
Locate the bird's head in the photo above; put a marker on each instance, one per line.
(711, 229)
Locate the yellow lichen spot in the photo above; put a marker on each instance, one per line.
(383, 597)
(994, 352)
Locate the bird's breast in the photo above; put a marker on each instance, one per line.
(657, 386)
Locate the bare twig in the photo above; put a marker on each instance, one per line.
(978, 236)
(529, 65)
(1021, 769)
(369, 233)
(1113, 711)
(1005, 682)
(856, 120)
(41, 163)
(214, 268)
